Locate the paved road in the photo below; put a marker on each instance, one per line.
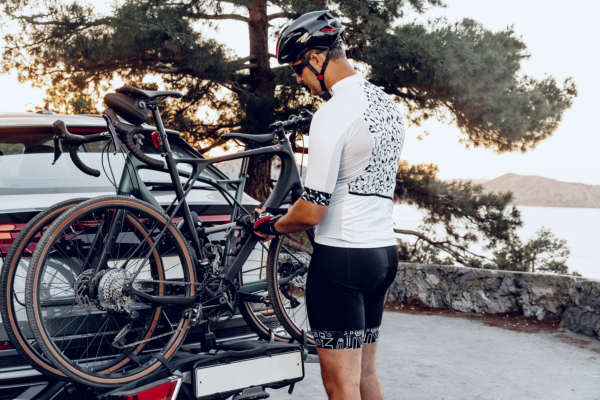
(424, 357)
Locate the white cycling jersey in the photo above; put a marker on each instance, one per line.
(355, 143)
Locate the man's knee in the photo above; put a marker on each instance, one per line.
(367, 371)
(340, 368)
(336, 381)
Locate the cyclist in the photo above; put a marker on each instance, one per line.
(355, 143)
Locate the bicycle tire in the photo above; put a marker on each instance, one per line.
(118, 369)
(8, 296)
(280, 294)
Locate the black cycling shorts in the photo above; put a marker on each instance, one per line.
(346, 292)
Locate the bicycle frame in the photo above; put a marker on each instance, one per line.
(289, 181)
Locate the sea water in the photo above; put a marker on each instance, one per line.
(580, 227)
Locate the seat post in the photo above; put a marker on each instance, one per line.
(187, 215)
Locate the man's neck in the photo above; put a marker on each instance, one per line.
(336, 72)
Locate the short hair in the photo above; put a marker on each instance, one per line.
(337, 54)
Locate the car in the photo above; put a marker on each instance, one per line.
(30, 182)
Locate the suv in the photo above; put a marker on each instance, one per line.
(29, 183)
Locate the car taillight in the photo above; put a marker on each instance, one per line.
(8, 233)
(6, 345)
(163, 391)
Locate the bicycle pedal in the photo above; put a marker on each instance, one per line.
(252, 393)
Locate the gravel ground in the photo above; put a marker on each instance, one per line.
(435, 357)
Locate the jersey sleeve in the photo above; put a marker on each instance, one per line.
(326, 146)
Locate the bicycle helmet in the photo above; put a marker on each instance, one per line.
(314, 30)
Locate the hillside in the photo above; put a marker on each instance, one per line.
(539, 191)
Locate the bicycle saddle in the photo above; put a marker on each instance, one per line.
(147, 94)
(261, 139)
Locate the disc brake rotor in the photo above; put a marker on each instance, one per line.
(83, 291)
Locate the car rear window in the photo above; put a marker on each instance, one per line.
(26, 166)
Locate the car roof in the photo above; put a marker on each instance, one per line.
(42, 123)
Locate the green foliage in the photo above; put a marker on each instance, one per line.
(472, 75)
(461, 211)
(459, 214)
(544, 252)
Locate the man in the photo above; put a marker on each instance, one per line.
(355, 144)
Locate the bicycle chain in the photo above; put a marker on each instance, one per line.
(164, 334)
(167, 282)
(156, 337)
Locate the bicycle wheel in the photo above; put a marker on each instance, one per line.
(259, 315)
(82, 315)
(287, 269)
(12, 288)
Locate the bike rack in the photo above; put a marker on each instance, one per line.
(179, 372)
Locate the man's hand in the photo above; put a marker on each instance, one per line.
(265, 236)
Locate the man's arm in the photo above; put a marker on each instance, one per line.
(300, 217)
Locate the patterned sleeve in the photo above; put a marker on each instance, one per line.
(327, 141)
(314, 196)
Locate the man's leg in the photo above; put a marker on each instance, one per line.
(341, 373)
(370, 387)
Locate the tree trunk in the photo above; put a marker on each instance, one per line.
(258, 184)
(261, 76)
(263, 84)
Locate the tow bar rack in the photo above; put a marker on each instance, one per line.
(242, 369)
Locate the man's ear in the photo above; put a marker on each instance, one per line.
(318, 59)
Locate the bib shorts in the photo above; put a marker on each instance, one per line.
(346, 292)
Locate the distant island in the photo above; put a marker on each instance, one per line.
(539, 191)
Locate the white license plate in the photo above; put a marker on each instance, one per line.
(240, 375)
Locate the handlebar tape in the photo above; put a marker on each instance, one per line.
(79, 164)
(60, 130)
(140, 154)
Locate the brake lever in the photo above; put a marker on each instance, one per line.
(113, 132)
(57, 152)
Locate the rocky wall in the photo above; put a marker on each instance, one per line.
(575, 300)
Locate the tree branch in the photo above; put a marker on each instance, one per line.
(247, 66)
(220, 16)
(444, 246)
(218, 143)
(275, 15)
(251, 57)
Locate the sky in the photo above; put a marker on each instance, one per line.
(561, 39)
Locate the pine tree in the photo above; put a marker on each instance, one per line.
(459, 72)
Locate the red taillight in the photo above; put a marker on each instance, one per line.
(9, 232)
(329, 30)
(6, 345)
(164, 391)
(156, 139)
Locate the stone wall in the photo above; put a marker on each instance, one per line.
(575, 300)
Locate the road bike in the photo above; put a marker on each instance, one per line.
(115, 282)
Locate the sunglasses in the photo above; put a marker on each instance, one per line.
(298, 68)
